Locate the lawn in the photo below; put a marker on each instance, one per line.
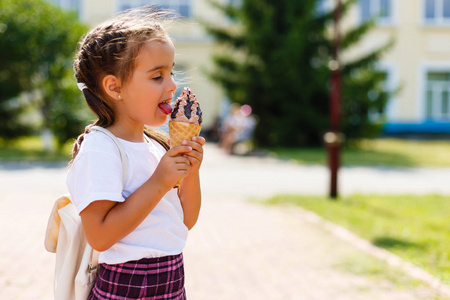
(416, 228)
(31, 149)
(378, 152)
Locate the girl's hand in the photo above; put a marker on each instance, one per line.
(173, 166)
(195, 156)
(190, 190)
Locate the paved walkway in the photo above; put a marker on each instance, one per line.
(239, 249)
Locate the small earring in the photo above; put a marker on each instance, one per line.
(119, 96)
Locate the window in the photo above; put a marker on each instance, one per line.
(380, 9)
(181, 7)
(375, 115)
(437, 104)
(437, 11)
(68, 4)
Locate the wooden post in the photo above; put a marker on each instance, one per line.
(334, 138)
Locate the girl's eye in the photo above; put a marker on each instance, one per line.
(159, 76)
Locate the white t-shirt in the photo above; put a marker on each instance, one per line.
(97, 174)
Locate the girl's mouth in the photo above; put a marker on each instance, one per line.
(165, 107)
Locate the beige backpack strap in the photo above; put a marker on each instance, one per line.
(52, 231)
(93, 260)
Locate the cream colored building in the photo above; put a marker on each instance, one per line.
(193, 47)
(418, 63)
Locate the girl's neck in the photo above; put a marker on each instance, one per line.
(133, 134)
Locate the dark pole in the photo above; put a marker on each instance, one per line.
(334, 137)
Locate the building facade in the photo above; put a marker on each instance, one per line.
(418, 65)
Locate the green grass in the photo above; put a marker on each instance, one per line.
(31, 149)
(416, 228)
(378, 152)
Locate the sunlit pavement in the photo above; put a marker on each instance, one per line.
(239, 249)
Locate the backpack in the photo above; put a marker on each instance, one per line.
(76, 262)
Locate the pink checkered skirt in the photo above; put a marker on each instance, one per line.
(160, 278)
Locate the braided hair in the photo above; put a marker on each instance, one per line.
(111, 48)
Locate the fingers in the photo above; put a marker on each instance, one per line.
(199, 139)
(181, 166)
(196, 154)
(180, 150)
(196, 143)
(182, 163)
(191, 153)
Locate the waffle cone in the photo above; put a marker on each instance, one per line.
(180, 131)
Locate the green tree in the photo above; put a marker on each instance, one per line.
(275, 56)
(37, 44)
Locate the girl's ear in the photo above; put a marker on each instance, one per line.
(111, 85)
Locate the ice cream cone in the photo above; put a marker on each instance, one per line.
(180, 131)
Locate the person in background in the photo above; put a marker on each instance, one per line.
(237, 127)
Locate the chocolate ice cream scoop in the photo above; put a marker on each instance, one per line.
(186, 108)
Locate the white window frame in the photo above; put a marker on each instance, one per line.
(392, 82)
(432, 67)
(375, 6)
(437, 88)
(439, 19)
(174, 5)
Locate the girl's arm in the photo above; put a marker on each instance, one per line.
(107, 222)
(190, 192)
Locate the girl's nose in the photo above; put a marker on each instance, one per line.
(172, 86)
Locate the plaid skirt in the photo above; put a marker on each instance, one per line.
(160, 278)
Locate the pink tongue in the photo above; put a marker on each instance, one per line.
(166, 108)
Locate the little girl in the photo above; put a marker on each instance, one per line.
(124, 68)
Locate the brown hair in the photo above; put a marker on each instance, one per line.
(111, 48)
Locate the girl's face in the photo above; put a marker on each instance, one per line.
(150, 84)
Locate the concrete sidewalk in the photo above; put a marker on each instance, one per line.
(239, 249)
